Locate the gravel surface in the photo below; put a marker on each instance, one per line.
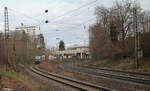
(111, 83)
(47, 84)
(146, 77)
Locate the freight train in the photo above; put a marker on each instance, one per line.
(39, 59)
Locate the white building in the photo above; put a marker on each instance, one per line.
(31, 30)
(79, 52)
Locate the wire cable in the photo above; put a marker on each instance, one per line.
(27, 16)
(58, 17)
(38, 21)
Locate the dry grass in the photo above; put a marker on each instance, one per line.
(14, 83)
(17, 80)
(145, 67)
(125, 65)
(29, 81)
(68, 74)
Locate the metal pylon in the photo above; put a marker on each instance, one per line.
(6, 23)
(138, 50)
(7, 42)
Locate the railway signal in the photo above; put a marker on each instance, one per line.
(46, 21)
(46, 11)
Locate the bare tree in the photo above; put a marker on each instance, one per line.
(116, 25)
(117, 20)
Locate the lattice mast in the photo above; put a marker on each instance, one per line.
(7, 42)
(138, 49)
(6, 23)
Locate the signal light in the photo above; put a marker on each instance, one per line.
(46, 21)
(46, 11)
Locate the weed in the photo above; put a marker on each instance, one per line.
(13, 75)
(0, 82)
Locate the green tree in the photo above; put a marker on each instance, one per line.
(61, 46)
(42, 42)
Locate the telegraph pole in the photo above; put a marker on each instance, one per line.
(138, 51)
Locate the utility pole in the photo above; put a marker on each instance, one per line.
(7, 37)
(9, 43)
(6, 23)
(138, 51)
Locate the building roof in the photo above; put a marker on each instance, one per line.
(71, 48)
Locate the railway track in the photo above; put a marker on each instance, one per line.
(141, 78)
(118, 71)
(83, 86)
(86, 70)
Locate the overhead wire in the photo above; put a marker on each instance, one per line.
(85, 12)
(76, 25)
(58, 17)
(38, 21)
(27, 16)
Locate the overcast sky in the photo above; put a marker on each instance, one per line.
(73, 27)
